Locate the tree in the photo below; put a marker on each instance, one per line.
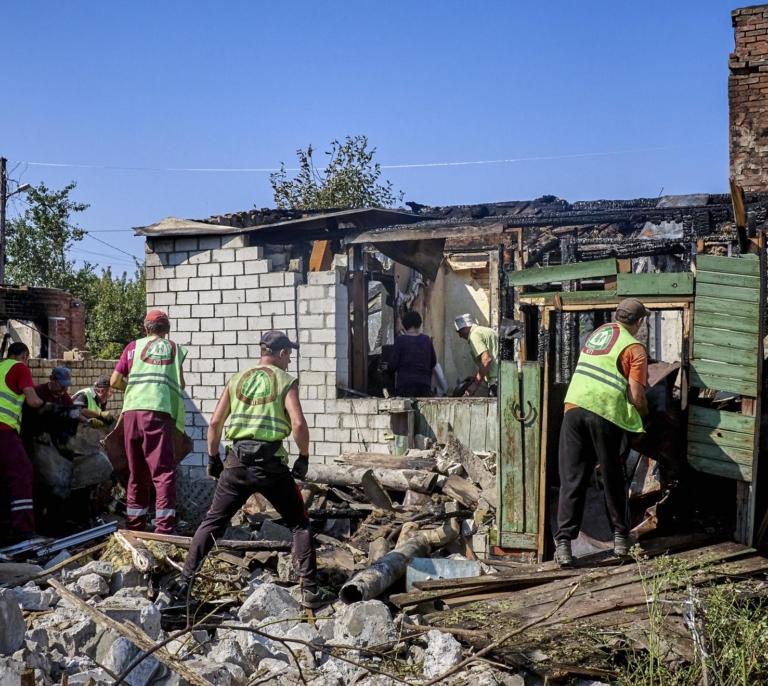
(114, 312)
(349, 180)
(39, 240)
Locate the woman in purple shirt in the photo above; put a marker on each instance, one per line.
(413, 359)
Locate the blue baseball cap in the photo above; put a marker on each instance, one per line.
(62, 375)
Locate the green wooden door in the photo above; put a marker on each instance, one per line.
(519, 464)
(726, 351)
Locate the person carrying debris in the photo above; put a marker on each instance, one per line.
(484, 346)
(153, 405)
(17, 388)
(605, 399)
(93, 402)
(263, 407)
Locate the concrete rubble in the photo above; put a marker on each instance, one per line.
(56, 634)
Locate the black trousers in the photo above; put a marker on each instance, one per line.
(234, 487)
(586, 439)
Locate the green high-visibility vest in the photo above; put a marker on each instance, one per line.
(598, 385)
(10, 402)
(90, 396)
(257, 405)
(155, 379)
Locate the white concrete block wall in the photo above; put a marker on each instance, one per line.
(221, 295)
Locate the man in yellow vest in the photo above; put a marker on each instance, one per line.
(17, 388)
(605, 400)
(484, 346)
(153, 405)
(92, 402)
(263, 407)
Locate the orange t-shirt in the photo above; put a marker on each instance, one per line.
(632, 363)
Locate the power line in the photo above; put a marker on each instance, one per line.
(109, 245)
(422, 165)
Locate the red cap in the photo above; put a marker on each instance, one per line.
(157, 316)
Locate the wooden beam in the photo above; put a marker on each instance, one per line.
(565, 272)
(321, 259)
(675, 283)
(132, 633)
(359, 351)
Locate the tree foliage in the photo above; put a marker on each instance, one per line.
(350, 179)
(38, 248)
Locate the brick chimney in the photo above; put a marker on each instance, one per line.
(748, 98)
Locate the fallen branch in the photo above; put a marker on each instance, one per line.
(504, 638)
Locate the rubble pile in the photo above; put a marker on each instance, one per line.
(92, 616)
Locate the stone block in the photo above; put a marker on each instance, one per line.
(322, 306)
(281, 293)
(257, 295)
(234, 242)
(364, 624)
(224, 337)
(121, 653)
(202, 310)
(246, 281)
(33, 599)
(210, 242)
(92, 584)
(284, 323)
(272, 308)
(292, 277)
(259, 324)
(329, 278)
(267, 600)
(176, 258)
(211, 324)
(257, 266)
(327, 448)
(323, 364)
(223, 283)
(201, 257)
(179, 311)
(226, 310)
(152, 260)
(234, 296)
(211, 269)
(323, 336)
(443, 652)
(271, 280)
(210, 297)
(227, 366)
(212, 351)
(161, 245)
(103, 569)
(312, 292)
(251, 253)
(130, 606)
(187, 298)
(185, 244)
(311, 321)
(222, 255)
(185, 271)
(235, 323)
(187, 325)
(199, 284)
(249, 309)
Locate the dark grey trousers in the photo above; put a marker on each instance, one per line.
(233, 489)
(586, 439)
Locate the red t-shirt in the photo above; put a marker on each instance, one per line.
(17, 379)
(46, 394)
(125, 362)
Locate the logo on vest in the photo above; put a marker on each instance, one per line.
(257, 386)
(159, 351)
(601, 342)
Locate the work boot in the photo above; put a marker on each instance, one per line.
(563, 554)
(173, 593)
(313, 596)
(621, 544)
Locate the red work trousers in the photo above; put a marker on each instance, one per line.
(149, 446)
(16, 471)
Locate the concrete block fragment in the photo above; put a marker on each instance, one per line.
(210, 242)
(103, 569)
(364, 624)
(34, 599)
(130, 606)
(329, 278)
(251, 253)
(257, 266)
(125, 576)
(121, 653)
(443, 652)
(234, 242)
(201, 257)
(90, 585)
(267, 600)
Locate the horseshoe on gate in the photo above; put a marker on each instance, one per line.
(521, 418)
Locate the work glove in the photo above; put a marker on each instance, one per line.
(300, 467)
(96, 423)
(215, 467)
(107, 416)
(46, 407)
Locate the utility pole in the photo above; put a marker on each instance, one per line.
(3, 200)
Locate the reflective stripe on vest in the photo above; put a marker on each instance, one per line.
(597, 384)
(90, 396)
(257, 404)
(10, 402)
(154, 382)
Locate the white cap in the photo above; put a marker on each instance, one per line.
(464, 320)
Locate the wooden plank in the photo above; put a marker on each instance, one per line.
(730, 470)
(603, 298)
(721, 305)
(513, 540)
(565, 272)
(491, 429)
(719, 383)
(321, 259)
(674, 283)
(720, 337)
(722, 279)
(728, 265)
(462, 422)
(531, 444)
(510, 480)
(719, 452)
(719, 353)
(727, 439)
(728, 371)
(708, 320)
(744, 295)
(359, 352)
(132, 633)
(721, 419)
(478, 420)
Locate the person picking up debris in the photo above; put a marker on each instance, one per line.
(263, 407)
(484, 346)
(93, 402)
(17, 388)
(605, 400)
(55, 389)
(153, 405)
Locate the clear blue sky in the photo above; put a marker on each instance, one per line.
(243, 84)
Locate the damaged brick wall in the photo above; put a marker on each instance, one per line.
(44, 307)
(748, 98)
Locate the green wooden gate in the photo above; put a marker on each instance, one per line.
(726, 357)
(519, 466)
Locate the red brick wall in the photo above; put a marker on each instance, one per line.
(748, 98)
(38, 305)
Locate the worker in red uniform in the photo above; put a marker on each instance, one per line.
(55, 389)
(17, 388)
(149, 371)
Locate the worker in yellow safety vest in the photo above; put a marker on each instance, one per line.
(605, 402)
(92, 402)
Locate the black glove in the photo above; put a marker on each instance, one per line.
(300, 467)
(215, 467)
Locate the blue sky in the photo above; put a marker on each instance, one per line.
(241, 84)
